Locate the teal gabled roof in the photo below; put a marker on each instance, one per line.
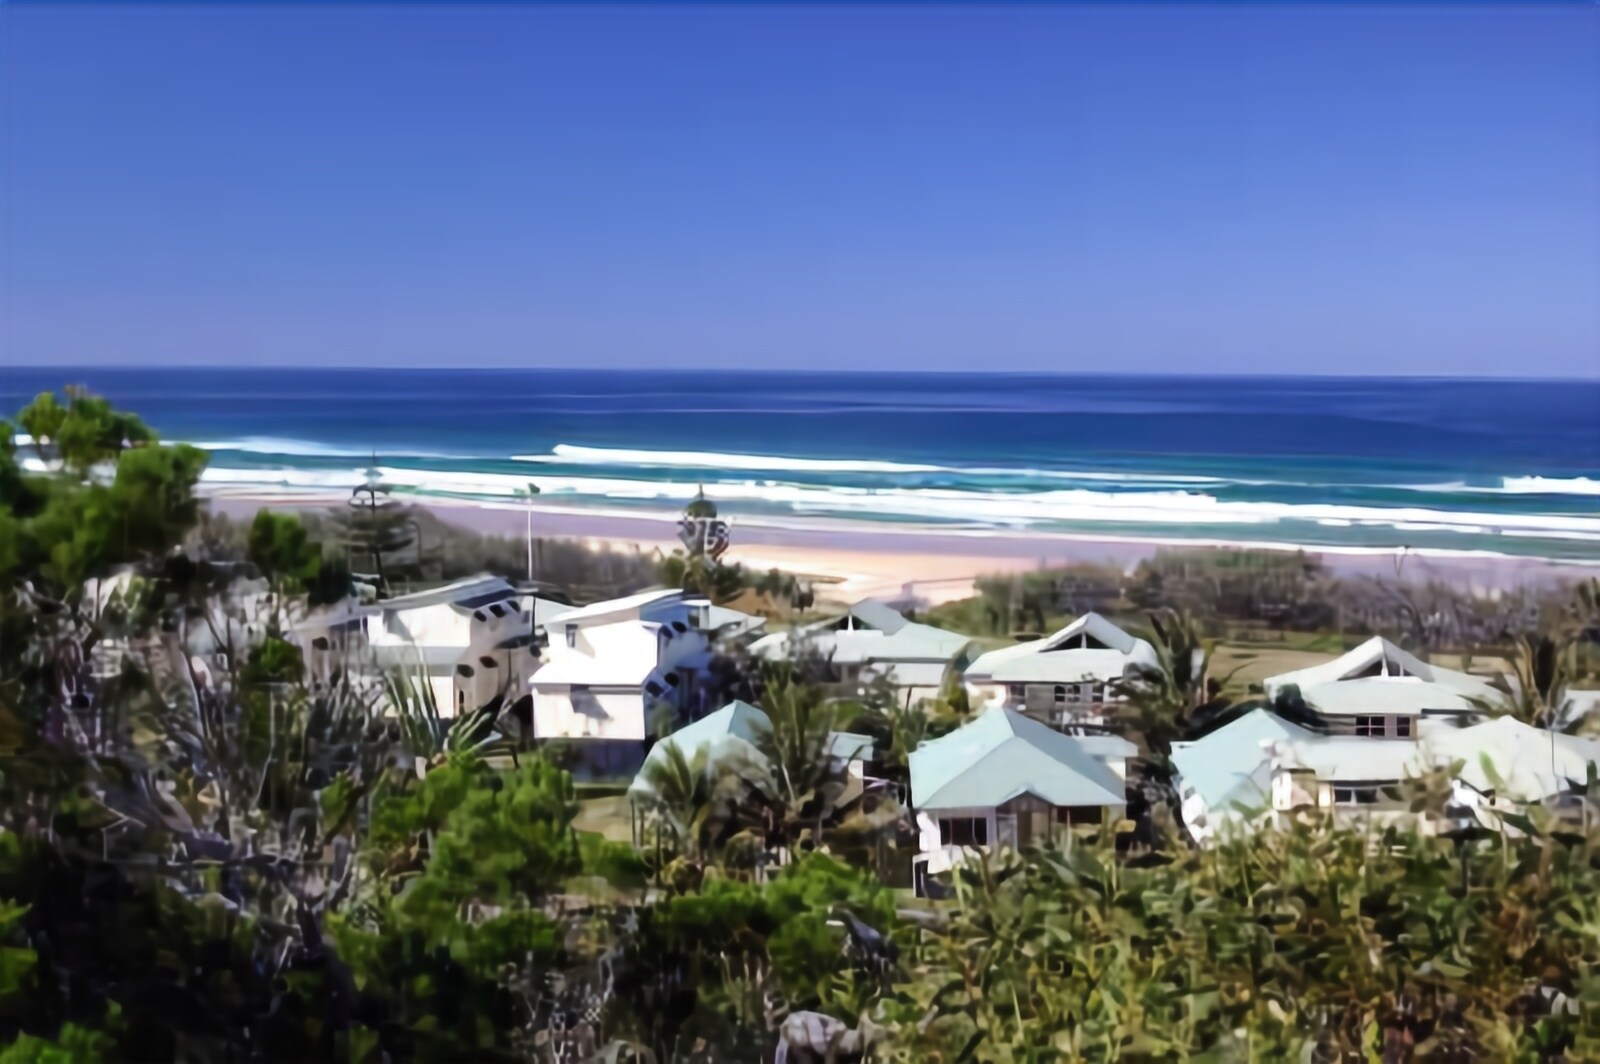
(728, 735)
(1002, 755)
(731, 737)
(1229, 767)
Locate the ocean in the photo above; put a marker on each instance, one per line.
(1510, 467)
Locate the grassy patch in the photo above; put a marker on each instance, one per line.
(607, 816)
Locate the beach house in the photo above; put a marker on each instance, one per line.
(1066, 678)
(730, 743)
(1496, 767)
(1503, 765)
(613, 666)
(470, 641)
(1261, 767)
(1225, 777)
(1368, 720)
(871, 641)
(1005, 779)
(1379, 691)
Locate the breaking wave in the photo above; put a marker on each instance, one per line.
(1550, 486)
(951, 506)
(571, 454)
(291, 448)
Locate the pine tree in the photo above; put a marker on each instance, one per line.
(378, 529)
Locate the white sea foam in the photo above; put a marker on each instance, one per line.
(978, 508)
(1531, 485)
(572, 454)
(1551, 486)
(290, 448)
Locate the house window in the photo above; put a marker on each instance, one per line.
(1358, 793)
(572, 635)
(1371, 727)
(461, 701)
(963, 831)
(1402, 727)
(1015, 693)
(1061, 694)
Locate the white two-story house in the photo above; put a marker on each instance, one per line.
(1379, 691)
(1495, 767)
(1066, 678)
(1377, 718)
(471, 641)
(611, 668)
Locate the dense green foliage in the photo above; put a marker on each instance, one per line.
(1313, 940)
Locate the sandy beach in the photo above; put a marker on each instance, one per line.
(857, 559)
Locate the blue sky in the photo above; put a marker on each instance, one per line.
(1341, 189)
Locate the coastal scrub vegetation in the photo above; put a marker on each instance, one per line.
(204, 855)
(1257, 602)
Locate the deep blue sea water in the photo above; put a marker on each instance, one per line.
(1506, 466)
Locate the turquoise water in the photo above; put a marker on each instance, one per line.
(1510, 467)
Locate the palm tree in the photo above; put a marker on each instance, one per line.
(898, 728)
(1537, 691)
(428, 734)
(1169, 698)
(680, 797)
(698, 804)
(799, 779)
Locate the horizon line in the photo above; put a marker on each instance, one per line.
(797, 371)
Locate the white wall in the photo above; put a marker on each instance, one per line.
(597, 714)
(626, 643)
(628, 647)
(513, 665)
(439, 625)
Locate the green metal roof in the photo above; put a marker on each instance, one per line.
(728, 736)
(1002, 755)
(850, 746)
(731, 736)
(1229, 767)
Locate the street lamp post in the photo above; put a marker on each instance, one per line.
(528, 494)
